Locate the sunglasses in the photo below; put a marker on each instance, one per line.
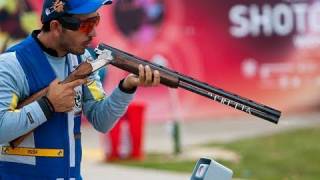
(85, 26)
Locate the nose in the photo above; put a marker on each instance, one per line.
(93, 33)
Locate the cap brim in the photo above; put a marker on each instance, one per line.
(90, 6)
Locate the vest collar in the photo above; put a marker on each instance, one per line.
(49, 51)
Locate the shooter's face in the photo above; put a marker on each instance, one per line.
(76, 41)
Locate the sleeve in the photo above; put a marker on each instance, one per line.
(103, 111)
(13, 87)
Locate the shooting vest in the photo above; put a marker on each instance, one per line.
(54, 148)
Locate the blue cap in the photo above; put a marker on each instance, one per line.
(52, 9)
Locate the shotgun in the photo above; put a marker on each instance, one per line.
(125, 61)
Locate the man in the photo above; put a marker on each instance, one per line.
(53, 150)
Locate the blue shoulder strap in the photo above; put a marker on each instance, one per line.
(34, 63)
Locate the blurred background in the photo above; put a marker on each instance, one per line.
(265, 50)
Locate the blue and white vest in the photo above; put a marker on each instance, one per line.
(61, 132)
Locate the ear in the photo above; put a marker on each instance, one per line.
(55, 27)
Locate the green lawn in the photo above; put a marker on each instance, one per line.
(287, 156)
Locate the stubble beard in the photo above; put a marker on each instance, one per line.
(69, 47)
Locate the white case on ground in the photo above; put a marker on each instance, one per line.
(208, 169)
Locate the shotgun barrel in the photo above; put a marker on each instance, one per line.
(130, 63)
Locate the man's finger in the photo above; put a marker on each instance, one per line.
(148, 75)
(135, 81)
(76, 83)
(141, 73)
(69, 109)
(156, 78)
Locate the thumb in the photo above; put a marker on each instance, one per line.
(131, 81)
(56, 81)
(135, 81)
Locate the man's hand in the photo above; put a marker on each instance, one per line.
(146, 78)
(62, 96)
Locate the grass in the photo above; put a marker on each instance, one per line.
(292, 155)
